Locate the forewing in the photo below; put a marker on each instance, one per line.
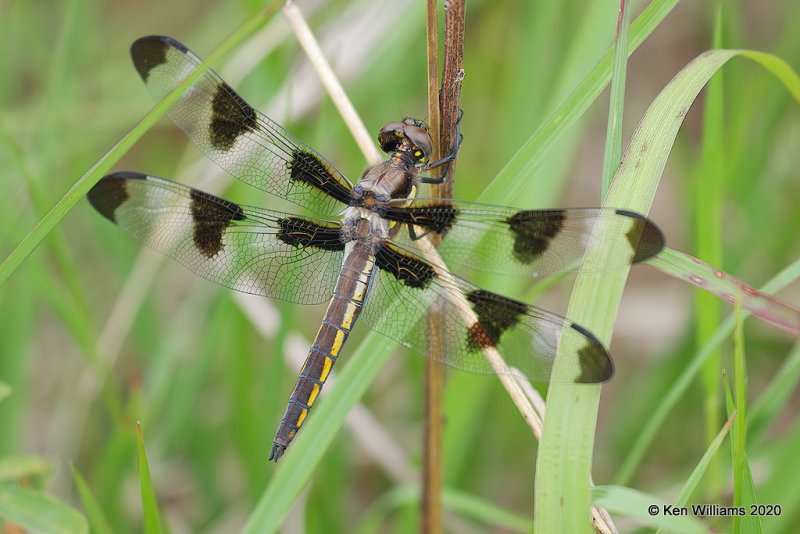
(247, 249)
(405, 288)
(536, 243)
(244, 142)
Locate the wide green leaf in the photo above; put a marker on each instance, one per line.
(564, 461)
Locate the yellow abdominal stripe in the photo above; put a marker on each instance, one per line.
(303, 414)
(312, 397)
(326, 368)
(337, 345)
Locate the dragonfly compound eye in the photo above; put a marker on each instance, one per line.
(391, 136)
(420, 140)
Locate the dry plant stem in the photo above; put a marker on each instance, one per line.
(442, 143)
(431, 493)
(450, 94)
(432, 32)
(330, 81)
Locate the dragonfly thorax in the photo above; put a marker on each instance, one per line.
(363, 225)
(383, 182)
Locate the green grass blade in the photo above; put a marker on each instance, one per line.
(104, 164)
(775, 395)
(97, 519)
(791, 81)
(150, 514)
(563, 465)
(294, 469)
(707, 196)
(612, 154)
(511, 180)
(80, 326)
(700, 469)
(744, 490)
(633, 503)
(679, 387)
(5, 391)
(37, 512)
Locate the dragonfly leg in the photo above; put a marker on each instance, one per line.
(445, 160)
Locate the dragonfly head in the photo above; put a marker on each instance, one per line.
(408, 135)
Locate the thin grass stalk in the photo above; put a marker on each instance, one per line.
(150, 513)
(657, 417)
(739, 445)
(104, 164)
(530, 156)
(331, 82)
(431, 494)
(707, 206)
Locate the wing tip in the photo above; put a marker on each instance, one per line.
(646, 237)
(110, 192)
(150, 51)
(596, 364)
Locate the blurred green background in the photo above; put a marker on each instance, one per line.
(96, 333)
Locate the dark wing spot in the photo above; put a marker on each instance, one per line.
(308, 168)
(594, 360)
(231, 116)
(211, 216)
(111, 192)
(533, 231)
(645, 237)
(437, 218)
(496, 314)
(478, 338)
(407, 268)
(150, 52)
(300, 232)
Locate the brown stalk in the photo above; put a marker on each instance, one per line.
(443, 113)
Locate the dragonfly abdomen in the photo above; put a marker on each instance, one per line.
(341, 315)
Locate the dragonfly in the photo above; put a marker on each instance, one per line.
(364, 251)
